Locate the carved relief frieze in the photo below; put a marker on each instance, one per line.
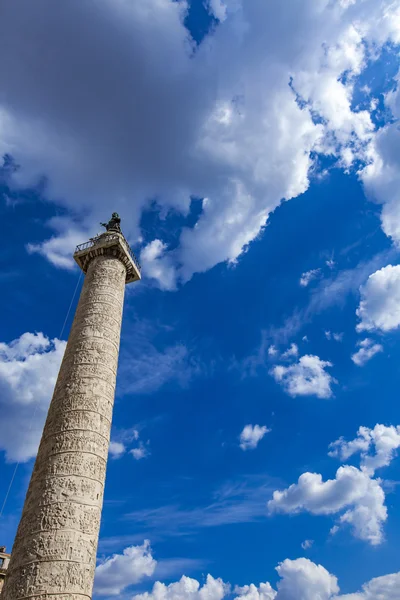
(72, 488)
(72, 463)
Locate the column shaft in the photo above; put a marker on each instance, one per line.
(54, 553)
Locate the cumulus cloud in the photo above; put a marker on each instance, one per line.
(379, 307)
(120, 571)
(307, 544)
(377, 447)
(132, 111)
(157, 264)
(380, 588)
(140, 452)
(122, 443)
(60, 248)
(251, 592)
(218, 9)
(307, 377)
(367, 350)
(29, 367)
(300, 579)
(293, 350)
(309, 276)
(304, 580)
(381, 176)
(251, 436)
(116, 449)
(352, 491)
(187, 588)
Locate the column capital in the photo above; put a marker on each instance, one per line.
(109, 244)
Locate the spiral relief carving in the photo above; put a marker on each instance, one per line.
(54, 554)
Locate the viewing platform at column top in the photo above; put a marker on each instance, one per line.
(110, 243)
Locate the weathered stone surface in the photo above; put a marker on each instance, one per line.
(54, 554)
(56, 545)
(73, 463)
(76, 488)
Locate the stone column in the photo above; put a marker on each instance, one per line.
(54, 553)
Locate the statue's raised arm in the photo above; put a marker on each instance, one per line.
(114, 224)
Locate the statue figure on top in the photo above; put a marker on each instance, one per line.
(114, 224)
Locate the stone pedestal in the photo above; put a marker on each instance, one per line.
(54, 553)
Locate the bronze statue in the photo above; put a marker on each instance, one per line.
(114, 224)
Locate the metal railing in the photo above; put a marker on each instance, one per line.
(109, 238)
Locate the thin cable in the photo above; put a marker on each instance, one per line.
(19, 462)
(70, 306)
(9, 489)
(36, 406)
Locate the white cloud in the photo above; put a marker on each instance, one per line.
(122, 443)
(338, 337)
(292, 351)
(381, 177)
(28, 371)
(252, 592)
(304, 580)
(300, 579)
(120, 571)
(379, 307)
(116, 449)
(157, 264)
(60, 248)
(186, 589)
(309, 276)
(307, 377)
(251, 436)
(139, 113)
(218, 9)
(307, 544)
(380, 588)
(272, 351)
(352, 491)
(382, 440)
(367, 350)
(140, 452)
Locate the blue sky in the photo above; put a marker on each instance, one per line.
(252, 152)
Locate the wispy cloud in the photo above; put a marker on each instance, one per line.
(333, 291)
(238, 502)
(309, 276)
(329, 292)
(148, 362)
